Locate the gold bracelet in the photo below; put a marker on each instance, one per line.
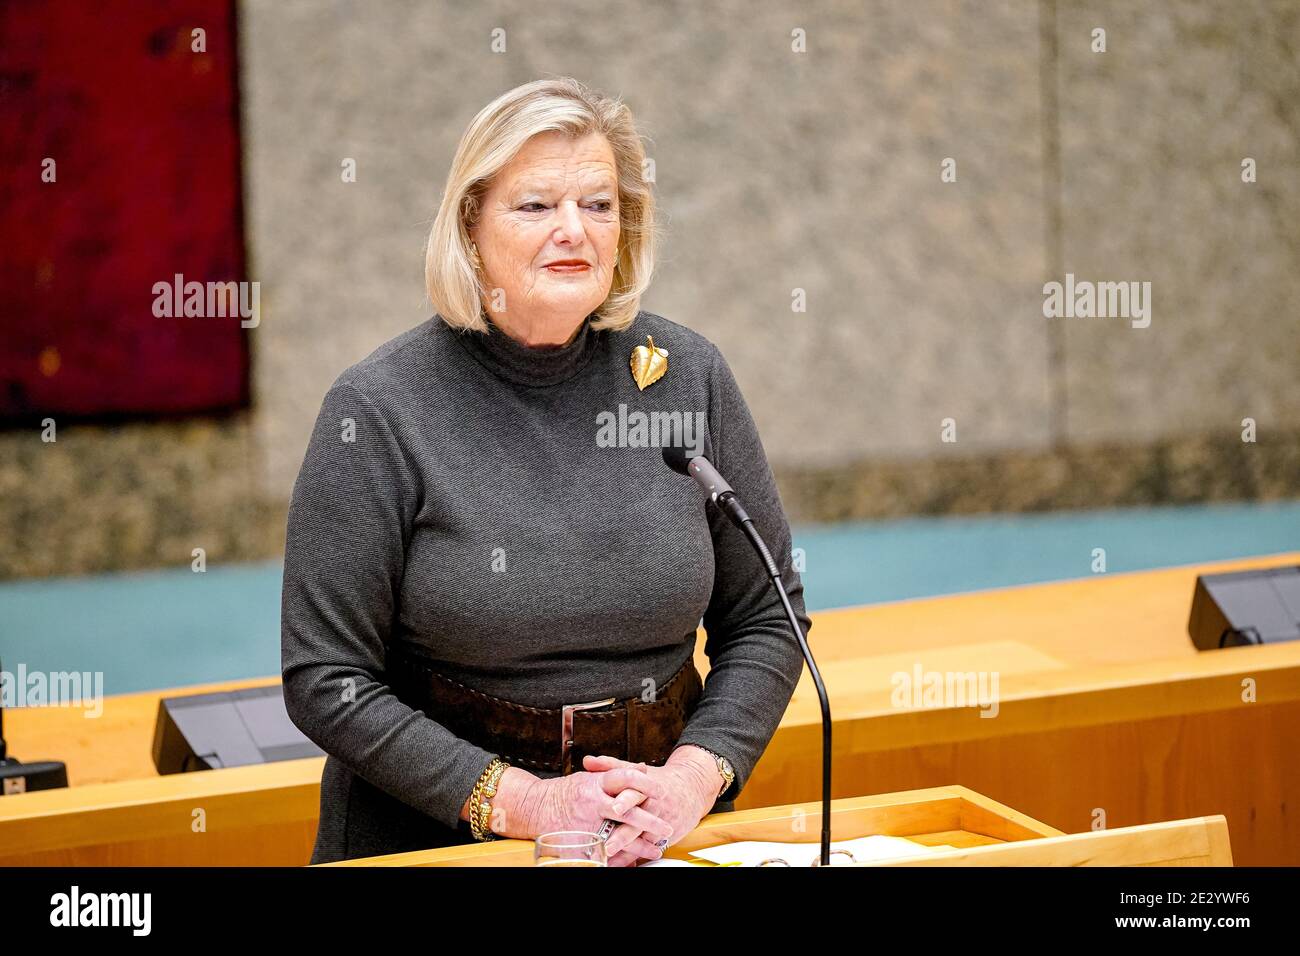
(480, 799)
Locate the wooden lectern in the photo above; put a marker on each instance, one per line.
(983, 832)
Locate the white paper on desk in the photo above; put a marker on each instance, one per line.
(864, 849)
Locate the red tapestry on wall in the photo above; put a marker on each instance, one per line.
(120, 172)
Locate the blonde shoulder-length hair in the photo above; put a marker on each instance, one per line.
(491, 141)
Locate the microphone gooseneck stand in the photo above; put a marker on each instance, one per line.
(702, 470)
(731, 505)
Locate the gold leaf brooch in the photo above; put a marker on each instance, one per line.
(648, 363)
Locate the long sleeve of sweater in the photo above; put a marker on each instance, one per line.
(754, 657)
(352, 506)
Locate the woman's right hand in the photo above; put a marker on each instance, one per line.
(584, 800)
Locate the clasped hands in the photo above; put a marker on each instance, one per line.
(650, 803)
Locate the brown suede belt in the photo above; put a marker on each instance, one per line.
(549, 738)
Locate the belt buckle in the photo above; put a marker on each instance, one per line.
(566, 727)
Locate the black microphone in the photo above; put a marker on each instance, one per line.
(722, 495)
(702, 470)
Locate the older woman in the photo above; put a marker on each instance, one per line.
(490, 597)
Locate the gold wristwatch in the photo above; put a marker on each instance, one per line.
(725, 770)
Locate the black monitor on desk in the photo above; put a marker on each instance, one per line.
(227, 729)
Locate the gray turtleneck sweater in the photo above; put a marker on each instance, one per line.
(504, 507)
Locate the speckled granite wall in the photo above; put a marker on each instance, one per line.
(103, 498)
(1153, 134)
(776, 171)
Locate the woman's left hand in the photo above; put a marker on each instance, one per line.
(692, 789)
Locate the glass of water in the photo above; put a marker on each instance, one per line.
(569, 848)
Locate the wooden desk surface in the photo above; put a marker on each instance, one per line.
(1107, 716)
(1047, 642)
